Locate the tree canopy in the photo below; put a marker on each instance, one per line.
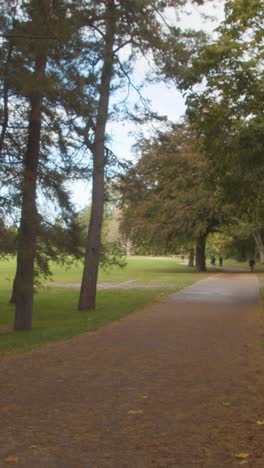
(168, 198)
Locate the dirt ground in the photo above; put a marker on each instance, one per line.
(178, 384)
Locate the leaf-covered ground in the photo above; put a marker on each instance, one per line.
(173, 385)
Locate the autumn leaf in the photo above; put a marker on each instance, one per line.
(241, 455)
(260, 423)
(139, 411)
(11, 459)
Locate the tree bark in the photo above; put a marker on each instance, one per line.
(128, 247)
(87, 298)
(5, 100)
(28, 225)
(260, 245)
(29, 219)
(200, 253)
(13, 295)
(191, 258)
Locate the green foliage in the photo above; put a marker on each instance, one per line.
(218, 243)
(37, 28)
(168, 199)
(229, 112)
(234, 242)
(112, 253)
(8, 236)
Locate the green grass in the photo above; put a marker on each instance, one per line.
(232, 263)
(56, 317)
(138, 269)
(55, 308)
(164, 269)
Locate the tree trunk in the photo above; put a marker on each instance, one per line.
(5, 100)
(28, 224)
(29, 219)
(87, 298)
(200, 253)
(260, 245)
(13, 295)
(191, 258)
(128, 247)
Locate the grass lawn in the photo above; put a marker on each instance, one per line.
(138, 269)
(231, 263)
(55, 309)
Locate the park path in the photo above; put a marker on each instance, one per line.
(178, 384)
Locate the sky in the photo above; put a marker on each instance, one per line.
(164, 100)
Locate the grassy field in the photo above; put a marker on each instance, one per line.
(231, 263)
(55, 309)
(138, 269)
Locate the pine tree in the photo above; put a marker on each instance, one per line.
(38, 150)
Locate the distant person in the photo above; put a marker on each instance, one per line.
(251, 264)
(213, 260)
(220, 261)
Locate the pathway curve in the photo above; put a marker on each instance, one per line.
(178, 384)
(221, 289)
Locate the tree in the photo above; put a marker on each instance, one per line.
(167, 198)
(228, 111)
(37, 110)
(28, 224)
(89, 279)
(136, 26)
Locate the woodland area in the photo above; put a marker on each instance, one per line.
(194, 182)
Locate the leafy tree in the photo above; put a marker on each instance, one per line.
(135, 27)
(167, 198)
(228, 111)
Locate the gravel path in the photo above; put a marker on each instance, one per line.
(178, 384)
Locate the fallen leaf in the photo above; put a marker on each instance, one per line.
(11, 459)
(225, 403)
(260, 423)
(139, 411)
(242, 455)
(144, 397)
(33, 446)
(244, 462)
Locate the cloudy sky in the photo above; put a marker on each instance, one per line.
(165, 100)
